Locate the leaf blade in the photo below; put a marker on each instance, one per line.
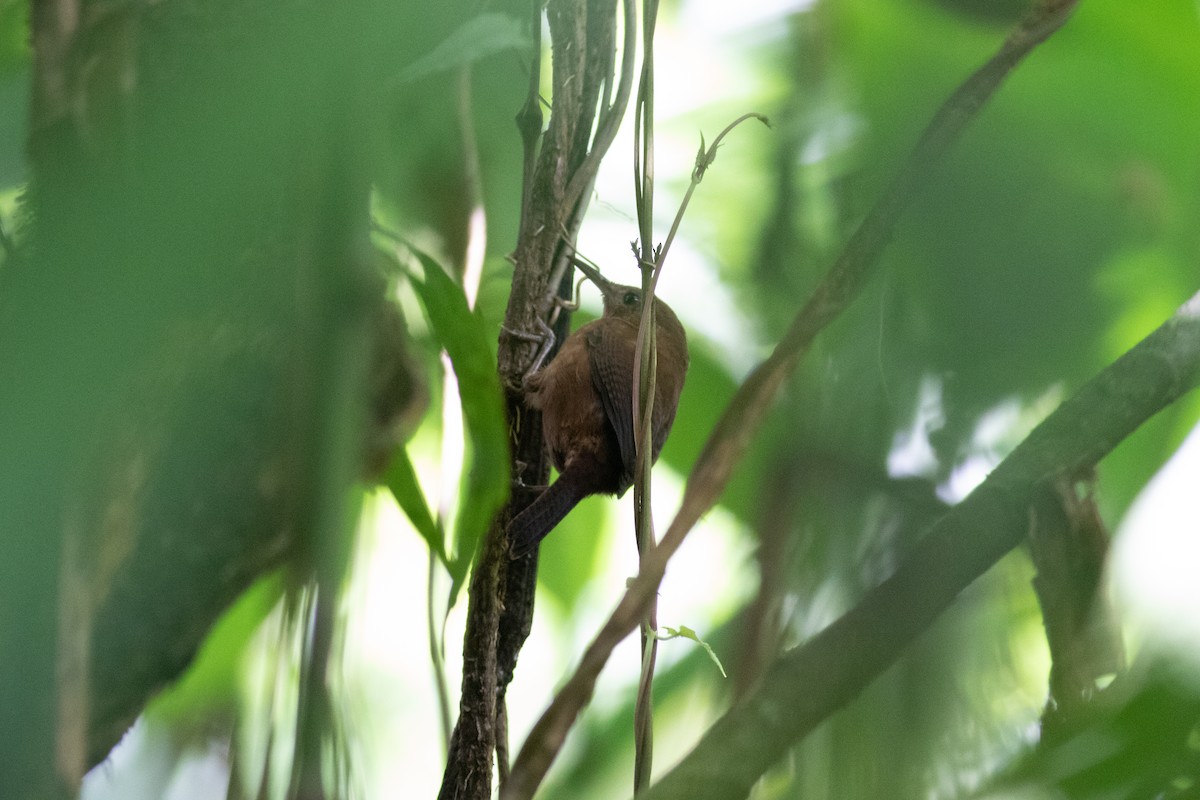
(482, 36)
(486, 479)
(401, 480)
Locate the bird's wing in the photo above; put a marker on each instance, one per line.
(611, 360)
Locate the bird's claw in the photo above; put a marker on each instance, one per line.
(544, 337)
(519, 483)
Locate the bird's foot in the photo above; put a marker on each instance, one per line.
(519, 483)
(543, 337)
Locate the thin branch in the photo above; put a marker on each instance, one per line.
(437, 657)
(704, 160)
(529, 118)
(810, 682)
(644, 377)
(610, 116)
(651, 263)
(750, 404)
(577, 194)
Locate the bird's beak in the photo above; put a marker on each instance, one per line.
(604, 284)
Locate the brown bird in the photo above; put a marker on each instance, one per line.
(586, 398)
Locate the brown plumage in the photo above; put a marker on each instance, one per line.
(586, 398)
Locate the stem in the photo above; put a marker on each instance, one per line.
(610, 116)
(529, 118)
(646, 353)
(704, 160)
(436, 657)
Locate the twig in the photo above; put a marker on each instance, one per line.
(579, 189)
(749, 406)
(529, 118)
(652, 265)
(476, 238)
(610, 116)
(704, 160)
(646, 359)
(1069, 547)
(436, 653)
(810, 682)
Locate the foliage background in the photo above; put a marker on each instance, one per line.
(1061, 230)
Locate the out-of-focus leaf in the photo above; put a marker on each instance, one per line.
(401, 479)
(570, 555)
(485, 35)
(14, 37)
(209, 687)
(14, 100)
(1135, 740)
(486, 482)
(1002, 254)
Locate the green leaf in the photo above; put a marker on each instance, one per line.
(485, 35)
(574, 550)
(487, 477)
(209, 688)
(14, 126)
(684, 632)
(401, 479)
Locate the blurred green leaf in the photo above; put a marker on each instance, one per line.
(483, 36)
(14, 37)
(1007, 251)
(570, 556)
(401, 479)
(209, 687)
(486, 482)
(1136, 740)
(14, 99)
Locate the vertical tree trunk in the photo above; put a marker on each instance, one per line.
(559, 180)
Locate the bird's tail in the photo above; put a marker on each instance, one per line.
(529, 527)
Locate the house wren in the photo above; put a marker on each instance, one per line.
(586, 398)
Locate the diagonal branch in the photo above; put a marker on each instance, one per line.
(810, 682)
(749, 406)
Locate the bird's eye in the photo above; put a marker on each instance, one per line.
(630, 298)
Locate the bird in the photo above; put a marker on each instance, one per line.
(585, 395)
